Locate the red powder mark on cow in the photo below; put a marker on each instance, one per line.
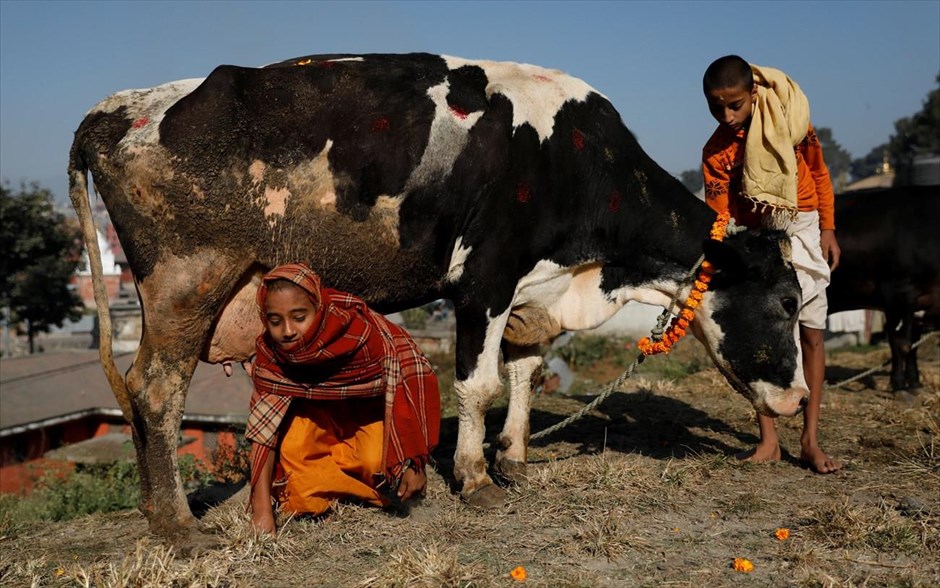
(381, 124)
(459, 112)
(578, 139)
(523, 192)
(140, 122)
(326, 64)
(542, 78)
(613, 201)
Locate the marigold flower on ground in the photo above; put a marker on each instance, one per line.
(743, 565)
(782, 534)
(518, 574)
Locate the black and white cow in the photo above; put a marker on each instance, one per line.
(890, 241)
(515, 191)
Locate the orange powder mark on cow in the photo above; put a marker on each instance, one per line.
(459, 112)
(577, 137)
(140, 122)
(613, 201)
(304, 62)
(381, 124)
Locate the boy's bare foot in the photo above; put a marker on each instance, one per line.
(761, 453)
(818, 461)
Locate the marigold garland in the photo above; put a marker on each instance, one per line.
(679, 324)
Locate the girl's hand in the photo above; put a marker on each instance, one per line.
(412, 483)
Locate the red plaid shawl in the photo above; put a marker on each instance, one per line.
(350, 351)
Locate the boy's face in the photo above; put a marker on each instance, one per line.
(288, 314)
(732, 107)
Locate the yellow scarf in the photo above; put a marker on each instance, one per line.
(779, 122)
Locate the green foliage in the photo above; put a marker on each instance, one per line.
(415, 318)
(583, 351)
(838, 160)
(86, 490)
(918, 134)
(41, 251)
(692, 179)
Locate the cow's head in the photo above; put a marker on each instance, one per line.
(748, 316)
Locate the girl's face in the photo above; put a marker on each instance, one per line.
(288, 314)
(732, 106)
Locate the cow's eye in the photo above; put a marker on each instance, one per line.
(789, 305)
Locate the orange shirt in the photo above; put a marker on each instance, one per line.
(722, 165)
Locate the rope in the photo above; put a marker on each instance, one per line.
(878, 367)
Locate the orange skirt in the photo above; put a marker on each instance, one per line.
(329, 451)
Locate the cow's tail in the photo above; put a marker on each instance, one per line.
(78, 192)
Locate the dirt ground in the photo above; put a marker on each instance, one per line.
(644, 491)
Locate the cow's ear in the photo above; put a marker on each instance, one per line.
(725, 258)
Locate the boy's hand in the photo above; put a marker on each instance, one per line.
(412, 483)
(830, 248)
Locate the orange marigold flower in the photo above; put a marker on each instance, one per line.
(743, 565)
(687, 314)
(696, 295)
(701, 285)
(782, 534)
(682, 323)
(707, 266)
(518, 574)
(680, 332)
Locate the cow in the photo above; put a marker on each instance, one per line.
(890, 240)
(514, 191)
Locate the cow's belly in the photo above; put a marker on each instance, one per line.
(573, 296)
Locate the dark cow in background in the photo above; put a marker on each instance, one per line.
(890, 240)
(515, 191)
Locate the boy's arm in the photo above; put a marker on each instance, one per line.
(813, 155)
(717, 183)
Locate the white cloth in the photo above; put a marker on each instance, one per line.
(812, 270)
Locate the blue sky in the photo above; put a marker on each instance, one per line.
(863, 64)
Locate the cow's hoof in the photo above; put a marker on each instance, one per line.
(191, 542)
(511, 470)
(489, 496)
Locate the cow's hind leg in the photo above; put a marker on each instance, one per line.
(179, 301)
(513, 442)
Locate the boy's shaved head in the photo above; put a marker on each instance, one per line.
(729, 71)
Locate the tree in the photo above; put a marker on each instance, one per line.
(41, 251)
(916, 135)
(838, 160)
(692, 179)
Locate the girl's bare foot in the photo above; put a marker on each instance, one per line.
(761, 453)
(817, 460)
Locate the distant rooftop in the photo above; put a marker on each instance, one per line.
(45, 386)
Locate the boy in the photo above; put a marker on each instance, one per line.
(764, 165)
(345, 404)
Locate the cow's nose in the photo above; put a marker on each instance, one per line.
(803, 402)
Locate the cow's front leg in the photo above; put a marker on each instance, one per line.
(477, 384)
(512, 454)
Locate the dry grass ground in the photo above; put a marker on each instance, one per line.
(643, 492)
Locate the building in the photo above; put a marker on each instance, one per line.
(57, 409)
